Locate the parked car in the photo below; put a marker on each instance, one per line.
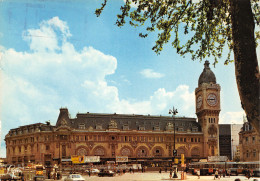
(93, 171)
(38, 178)
(106, 173)
(74, 177)
(9, 176)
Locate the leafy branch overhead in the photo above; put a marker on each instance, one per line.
(206, 23)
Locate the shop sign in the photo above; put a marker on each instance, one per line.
(92, 159)
(77, 159)
(121, 158)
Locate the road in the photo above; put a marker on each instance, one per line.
(152, 176)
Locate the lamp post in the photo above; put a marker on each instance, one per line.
(232, 152)
(173, 112)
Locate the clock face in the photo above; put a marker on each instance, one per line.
(212, 99)
(199, 101)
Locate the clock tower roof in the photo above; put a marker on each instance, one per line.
(207, 76)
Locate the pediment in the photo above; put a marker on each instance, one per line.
(63, 128)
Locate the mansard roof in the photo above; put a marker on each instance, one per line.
(100, 121)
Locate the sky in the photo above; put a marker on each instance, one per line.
(56, 54)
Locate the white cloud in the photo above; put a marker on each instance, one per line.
(231, 117)
(149, 73)
(53, 74)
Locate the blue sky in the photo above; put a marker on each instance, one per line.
(59, 54)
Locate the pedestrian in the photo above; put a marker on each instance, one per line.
(89, 172)
(22, 176)
(198, 173)
(228, 172)
(248, 174)
(130, 170)
(216, 175)
(170, 173)
(160, 171)
(58, 175)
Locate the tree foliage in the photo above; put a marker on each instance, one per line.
(207, 23)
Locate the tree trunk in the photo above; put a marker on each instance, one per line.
(246, 64)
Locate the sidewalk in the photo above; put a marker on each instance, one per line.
(152, 176)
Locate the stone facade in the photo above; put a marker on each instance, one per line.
(207, 109)
(143, 138)
(249, 143)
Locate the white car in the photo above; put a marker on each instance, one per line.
(74, 177)
(93, 170)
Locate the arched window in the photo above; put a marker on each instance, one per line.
(126, 152)
(82, 152)
(158, 152)
(99, 152)
(180, 151)
(195, 152)
(142, 152)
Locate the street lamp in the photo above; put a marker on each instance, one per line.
(232, 150)
(174, 112)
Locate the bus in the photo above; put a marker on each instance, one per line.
(236, 168)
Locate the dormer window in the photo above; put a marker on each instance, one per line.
(156, 128)
(141, 127)
(98, 126)
(194, 129)
(81, 126)
(125, 127)
(180, 129)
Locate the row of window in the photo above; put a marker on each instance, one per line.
(254, 153)
(134, 138)
(21, 141)
(142, 127)
(16, 150)
(212, 120)
(250, 140)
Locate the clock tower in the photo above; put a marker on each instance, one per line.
(207, 96)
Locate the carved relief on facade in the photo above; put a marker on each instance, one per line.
(212, 130)
(90, 144)
(126, 151)
(212, 142)
(142, 151)
(169, 126)
(150, 145)
(134, 144)
(158, 151)
(181, 150)
(112, 124)
(99, 151)
(195, 152)
(81, 151)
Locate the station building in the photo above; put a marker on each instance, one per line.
(144, 139)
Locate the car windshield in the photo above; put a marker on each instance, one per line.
(75, 176)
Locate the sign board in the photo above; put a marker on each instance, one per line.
(121, 158)
(77, 159)
(182, 158)
(66, 160)
(176, 161)
(203, 160)
(217, 158)
(91, 159)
